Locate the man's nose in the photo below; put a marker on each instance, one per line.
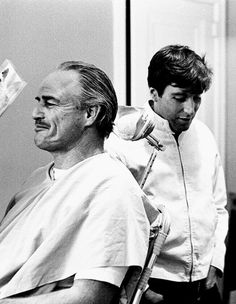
(190, 106)
(38, 112)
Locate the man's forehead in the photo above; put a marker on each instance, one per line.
(175, 89)
(59, 81)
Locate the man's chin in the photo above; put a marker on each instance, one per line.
(41, 144)
(182, 128)
(185, 128)
(46, 146)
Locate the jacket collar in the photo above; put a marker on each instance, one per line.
(160, 123)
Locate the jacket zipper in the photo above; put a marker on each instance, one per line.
(186, 197)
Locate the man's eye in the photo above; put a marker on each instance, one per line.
(49, 104)
(180, 99)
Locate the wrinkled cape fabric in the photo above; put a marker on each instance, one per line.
(92, 216)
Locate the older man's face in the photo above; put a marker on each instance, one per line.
(59, 123)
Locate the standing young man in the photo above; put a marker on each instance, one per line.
(187, 177)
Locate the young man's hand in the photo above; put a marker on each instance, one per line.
(151, 297)
(212, 278)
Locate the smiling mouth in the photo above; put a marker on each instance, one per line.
(40, 127)
(185, 119)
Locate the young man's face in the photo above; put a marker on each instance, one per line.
(177, 105)
(59, 123)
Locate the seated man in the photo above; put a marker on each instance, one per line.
(73, 230)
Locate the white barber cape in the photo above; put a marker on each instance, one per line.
(93, 216)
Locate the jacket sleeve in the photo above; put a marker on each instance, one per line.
(220, 199)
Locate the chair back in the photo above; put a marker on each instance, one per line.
(136, 281)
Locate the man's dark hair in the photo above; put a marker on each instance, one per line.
(179, 65)
(95, 89)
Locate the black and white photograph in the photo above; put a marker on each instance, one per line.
(117, 151)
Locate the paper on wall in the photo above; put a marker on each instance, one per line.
(11, 84)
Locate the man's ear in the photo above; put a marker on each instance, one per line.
(153, 93)
(92, 114)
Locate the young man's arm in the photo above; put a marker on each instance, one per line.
(220, 200)
(82, 292)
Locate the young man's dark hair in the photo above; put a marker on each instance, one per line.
(179, 65)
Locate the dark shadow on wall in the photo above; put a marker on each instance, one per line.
(229, 282)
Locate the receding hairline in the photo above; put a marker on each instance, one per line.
(57, 80)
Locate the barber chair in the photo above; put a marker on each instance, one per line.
(135, 283)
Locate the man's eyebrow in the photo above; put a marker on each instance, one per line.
(179, 93)
(47, 97)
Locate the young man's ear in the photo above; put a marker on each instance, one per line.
(92, 114)
(153, 93)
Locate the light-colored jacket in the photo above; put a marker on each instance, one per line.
(188, 179)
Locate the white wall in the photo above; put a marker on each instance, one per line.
(231, 97)
(37, 35)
